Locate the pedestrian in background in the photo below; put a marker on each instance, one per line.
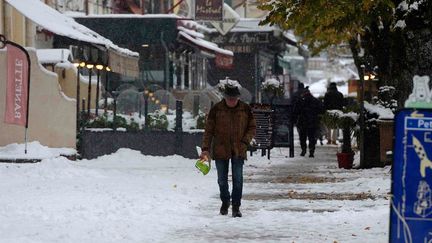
(297, 95)
(306, 113)
(230, 127)
(333, 100)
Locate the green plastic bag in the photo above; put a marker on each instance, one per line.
(203, 165)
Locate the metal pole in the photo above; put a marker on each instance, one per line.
(106, 92)
(78, 99)
(139, 104)
(115, 113)
(143, 7)
(166, 69)
(89, 92)
(146, 112)
(361, 120)
(257, 77)
(86, 2)
(97, 92)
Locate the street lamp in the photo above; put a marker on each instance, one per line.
(77, 65)
(80, 57)
(164, 108)
(115, 94)
(99, 67)
(107, 69)
(147, 94)
(90, 68)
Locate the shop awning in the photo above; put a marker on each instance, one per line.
(60, 24)
(223, 58)
(196, 39)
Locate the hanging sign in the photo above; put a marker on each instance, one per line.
(224, 61)
(208, 10)
(230, 19)
(411, 201)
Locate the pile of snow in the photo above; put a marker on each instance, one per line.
(35, 150)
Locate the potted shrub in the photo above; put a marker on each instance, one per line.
(272, 88)
(346, 121)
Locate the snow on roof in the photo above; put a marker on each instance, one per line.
(248, 25)
(46, 56)
(197, 39)
(196, 26)
(290, 35)
(60, 24)
(141, 16)
(191, 32)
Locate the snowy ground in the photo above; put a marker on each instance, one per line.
(129, 197)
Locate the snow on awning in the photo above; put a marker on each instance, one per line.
(60, 24)
(223, 58)
(53, 56)
(200, 43)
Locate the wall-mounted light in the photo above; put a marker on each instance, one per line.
(145, 45)
(108, 69)
(89, 66)
(99, 66)
(369, 76)
(164, 108)
(82, 64)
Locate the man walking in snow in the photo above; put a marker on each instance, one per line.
(229, 129)
(306, 112)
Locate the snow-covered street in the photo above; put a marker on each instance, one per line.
(129, 197)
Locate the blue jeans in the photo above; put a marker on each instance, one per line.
(237, 178)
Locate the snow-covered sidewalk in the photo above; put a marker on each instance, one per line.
(129, 197)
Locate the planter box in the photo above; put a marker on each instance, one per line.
(345, 160)
(156, 143)
(386, 140)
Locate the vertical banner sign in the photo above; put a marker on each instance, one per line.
(208, 10)
(17, 86)
(411, 202)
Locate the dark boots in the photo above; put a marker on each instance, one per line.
(311, 154)
(236, 211)
(224, 208)
(303, 152)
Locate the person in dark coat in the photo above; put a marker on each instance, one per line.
(333, 100)
(307, 111)
(297, 95)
